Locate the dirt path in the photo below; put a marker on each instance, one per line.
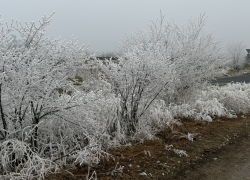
(231, 163)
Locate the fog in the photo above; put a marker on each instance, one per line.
(102, 24)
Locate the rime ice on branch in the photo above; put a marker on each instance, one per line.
(165, 62)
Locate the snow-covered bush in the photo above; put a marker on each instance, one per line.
(222, 72)
(18, 161)
(213, 101)
(42, 109)
(200, 109)
(137, 82)
(31, 75)
(235, 97)
(165, 62)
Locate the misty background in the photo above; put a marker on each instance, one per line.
(102, 24)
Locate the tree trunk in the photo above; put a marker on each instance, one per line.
(2, 113)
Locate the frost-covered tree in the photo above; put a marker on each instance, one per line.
(235, 53)
(164, 62)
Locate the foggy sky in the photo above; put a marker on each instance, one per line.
(102, 23)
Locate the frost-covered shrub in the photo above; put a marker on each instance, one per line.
(165, 62)
(18, 161)
(136, 82)
(153, 120)
(31, 74)
(42, 108)
(90, 156)
(200, 110)
(234, 96)
(215, 101)
(195, 54)
(222, 71)
(181, 153)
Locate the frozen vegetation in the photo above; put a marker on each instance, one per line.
(50, 119)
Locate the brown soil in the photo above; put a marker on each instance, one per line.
(219, 151)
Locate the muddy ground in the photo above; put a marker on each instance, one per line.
(219, 150)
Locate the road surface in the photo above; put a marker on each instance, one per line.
(233, 163)
(243, 78)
